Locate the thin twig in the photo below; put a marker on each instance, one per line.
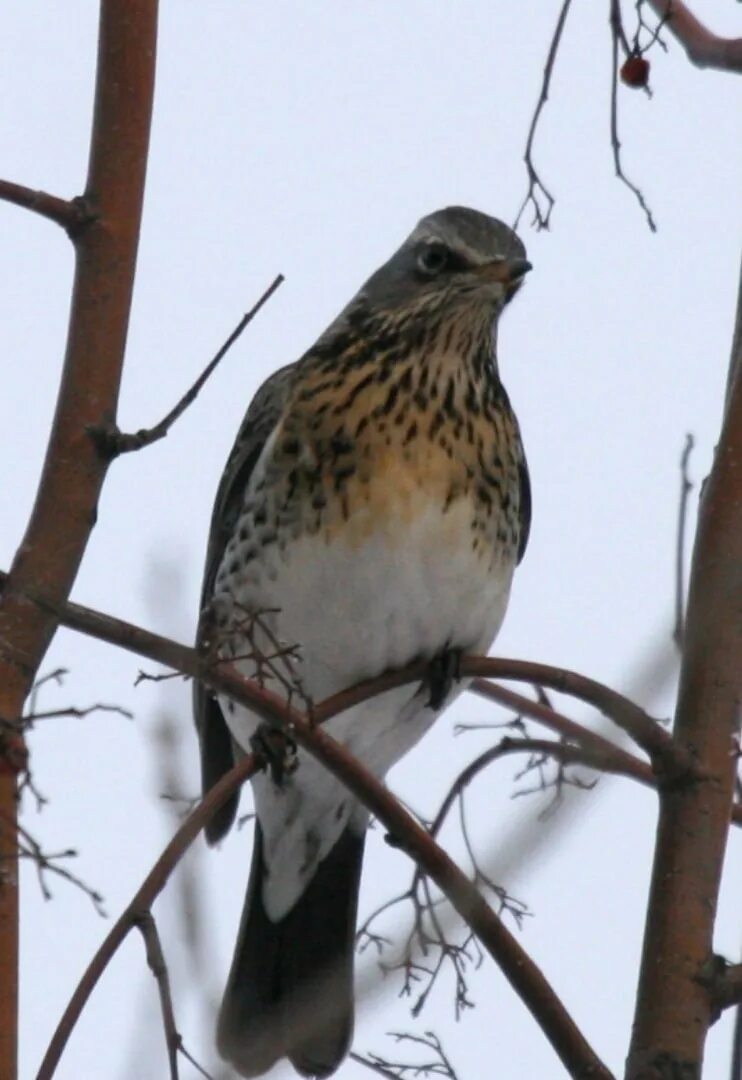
(686, 487)
(537, 191)
(396, 1070)
(112, 442)
(637, 47)
(612, 758)
(618, 37)
(72, 710)
(47, 863)
(145, 923)
(373, 1065)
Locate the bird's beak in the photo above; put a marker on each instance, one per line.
(509, 272)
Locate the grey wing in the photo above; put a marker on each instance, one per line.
(525, 507)
(217, 754)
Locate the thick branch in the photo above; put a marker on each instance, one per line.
(674, 1009)
(669, 762)
(64, 512)
(703, 48)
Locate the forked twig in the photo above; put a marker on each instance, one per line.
(537, 190)
(618, 38)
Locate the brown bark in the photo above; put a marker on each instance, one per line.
(674, 1005)
(64, 512)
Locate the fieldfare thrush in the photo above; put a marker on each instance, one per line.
(372, 512)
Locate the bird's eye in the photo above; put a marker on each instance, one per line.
(433, 258)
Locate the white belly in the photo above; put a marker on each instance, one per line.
(356, 610)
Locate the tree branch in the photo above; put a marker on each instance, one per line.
(618, 39)
(72, 214)
(537, 191)
(140, 905)
(674, 1010)
(671, 763)
(702, 48)
(112, 442)
(525, 977)
(145, 923)
(62, 518)
(613, 758)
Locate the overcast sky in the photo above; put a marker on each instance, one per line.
(309, 139)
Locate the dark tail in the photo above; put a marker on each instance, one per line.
(290, 989)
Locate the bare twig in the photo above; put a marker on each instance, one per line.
(157, 964)
(612, 758)
(618, 38)
(72, 710)
(48, 863)
(703, 48)
(371, 1063)
(440, 1064)
(145, 923)
(652, 32)
(426, 931)
(112, 442)
(538, 195)
(686, 487)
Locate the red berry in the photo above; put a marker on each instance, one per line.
(635, 71)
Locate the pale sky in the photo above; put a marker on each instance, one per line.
(309, 139)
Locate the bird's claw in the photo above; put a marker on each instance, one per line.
(444, 670)
(277, 751)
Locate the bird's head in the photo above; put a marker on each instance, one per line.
(455, 256)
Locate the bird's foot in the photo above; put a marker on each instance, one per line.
(277, 751)
(444, 670)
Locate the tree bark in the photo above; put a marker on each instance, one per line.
(674, 1005)
(64, 512)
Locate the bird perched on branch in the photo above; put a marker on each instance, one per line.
(372, 513)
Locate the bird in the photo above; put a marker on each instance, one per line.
(372, 512)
